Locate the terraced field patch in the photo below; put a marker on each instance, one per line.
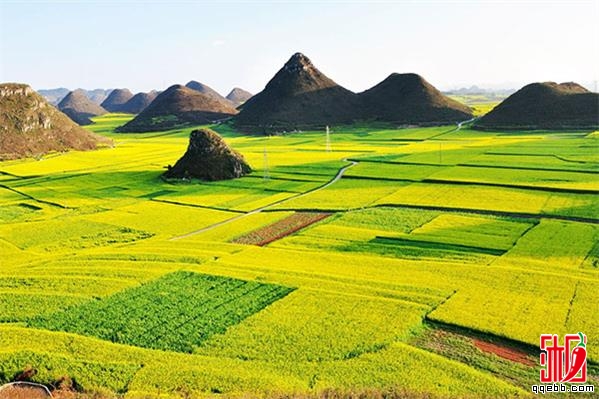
(176, 312)
(502, 357)
(282, 228)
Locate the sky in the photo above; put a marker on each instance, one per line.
(144, 45)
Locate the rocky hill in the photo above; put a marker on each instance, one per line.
(77, 106)
(30, 126)
(545, 106)
(177, 107)
(209, 158)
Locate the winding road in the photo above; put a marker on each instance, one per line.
(460, 124)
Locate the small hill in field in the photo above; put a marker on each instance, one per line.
(116, 100)
(209, 158)
(409, 99)
(299, 96)
(176, 107)
(139, 102)
(30, 126)
(238, 96)
(545, 105)
(77, 106)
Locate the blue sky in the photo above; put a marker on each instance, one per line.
(153, 44)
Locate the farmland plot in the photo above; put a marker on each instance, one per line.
(175, 312)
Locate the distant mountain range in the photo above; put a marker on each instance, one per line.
(122, 100)
(301, 97)
(54, 96)
(478, 90)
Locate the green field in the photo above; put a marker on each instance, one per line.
(137, 287)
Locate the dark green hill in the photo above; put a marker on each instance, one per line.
(409, 99)
(545, 106)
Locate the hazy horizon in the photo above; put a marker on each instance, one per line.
(152, 45)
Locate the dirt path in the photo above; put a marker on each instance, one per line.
(504, 352)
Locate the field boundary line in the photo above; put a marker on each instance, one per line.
(518, 215)
(415, 243)
(384, 289)
(559, 157)
(35, 199)
(469, 165)
(196, 206)
(571, 303)
(435, 307)
(505, 185)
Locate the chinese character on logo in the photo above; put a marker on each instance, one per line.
(565, 363)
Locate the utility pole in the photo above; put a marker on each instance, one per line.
(328, 139)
